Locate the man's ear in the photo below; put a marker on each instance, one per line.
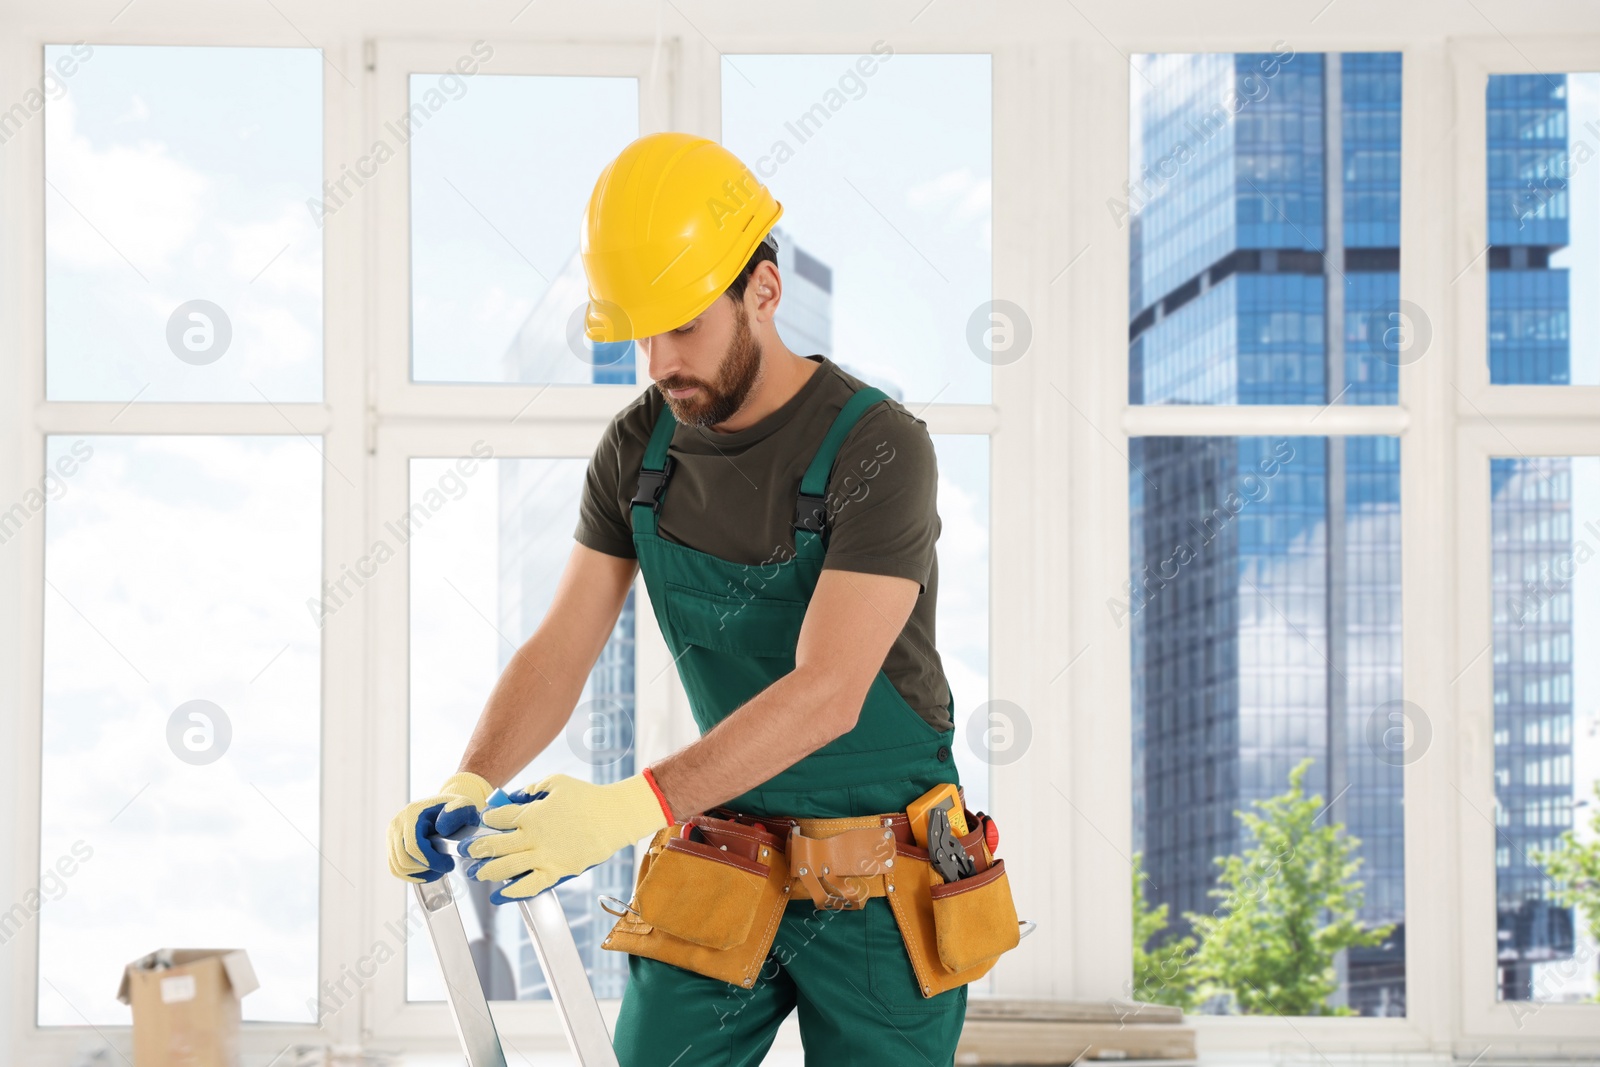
(767, 285)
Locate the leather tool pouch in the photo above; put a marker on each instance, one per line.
(838, 871)
(709, 907)
(955, 932)
(975, 919)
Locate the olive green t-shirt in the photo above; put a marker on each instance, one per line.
(732, 495)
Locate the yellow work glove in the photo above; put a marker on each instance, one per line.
(561, 827)
(456, 805)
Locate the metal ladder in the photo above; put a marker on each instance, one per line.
(574, 999)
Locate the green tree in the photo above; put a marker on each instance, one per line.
(1575, 867)
(1287, 907)
(1158, 971)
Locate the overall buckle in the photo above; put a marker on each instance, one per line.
(811, 513)
(652, 484)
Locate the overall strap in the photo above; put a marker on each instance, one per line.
(810, 513)
(654, 472)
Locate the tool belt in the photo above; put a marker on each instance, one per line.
(710, 892)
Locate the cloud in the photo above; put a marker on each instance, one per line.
(119, 201)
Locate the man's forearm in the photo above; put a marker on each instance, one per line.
(775, 729)
(528, 708)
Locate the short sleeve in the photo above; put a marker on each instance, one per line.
(602, 525)
(883, 498)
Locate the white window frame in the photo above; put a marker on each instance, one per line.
(1490, 1021)
(1096, 314)
(1493, 421)
(662, 711)
(1058, 425)
(333, 425)
(395, 61)
(1450, 420)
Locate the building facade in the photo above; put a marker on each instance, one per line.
(1531, 502)
(1265, 599)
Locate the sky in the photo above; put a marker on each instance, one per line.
(177, 174)
(493, 221)
(177, 569)
(893, 191)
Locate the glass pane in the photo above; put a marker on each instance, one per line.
(1263, 216)
(181, 747)
(1264, 611)
(496, 279)
(489, 539)
(184, 206)
(1546, 526)
(989, 733)
(882, 163)
(1544, 215)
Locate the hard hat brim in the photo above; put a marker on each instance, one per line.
(607, 321)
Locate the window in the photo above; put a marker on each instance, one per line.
(488, 540)
(496, 280)
(1264, 612)
(265, 297)
(1264, 604)
(1544, 210)
(1546, 530)
(179, 668)
(1264, 202)
(882, 163)
(181, 260)
(182, 670)
(985, 731)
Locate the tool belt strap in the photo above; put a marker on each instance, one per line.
(844, 870)
(839, 863)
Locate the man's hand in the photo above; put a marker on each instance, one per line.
(559, 828)
(456, 805)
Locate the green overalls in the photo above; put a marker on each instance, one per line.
(733, 629)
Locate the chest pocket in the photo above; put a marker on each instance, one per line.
(744, 626)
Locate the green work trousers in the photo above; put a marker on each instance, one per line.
(845, 971)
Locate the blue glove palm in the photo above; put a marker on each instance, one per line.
(412, 857)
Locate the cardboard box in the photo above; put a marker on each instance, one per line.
(186, 1006)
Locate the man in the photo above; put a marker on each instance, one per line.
(783, 515)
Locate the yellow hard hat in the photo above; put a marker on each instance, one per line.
(670, 224)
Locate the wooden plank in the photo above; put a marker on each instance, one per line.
(1097, 1011)
(1061, 1044)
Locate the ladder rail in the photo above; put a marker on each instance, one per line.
(548, 930)
(469, 1008)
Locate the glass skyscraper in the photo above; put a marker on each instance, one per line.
(1529, 344)
(1265, 597)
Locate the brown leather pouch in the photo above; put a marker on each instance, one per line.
(710, 907)
(975, 919)
(839, 871)
(933, 938)
(700, 893)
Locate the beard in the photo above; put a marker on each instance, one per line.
(737, 375)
